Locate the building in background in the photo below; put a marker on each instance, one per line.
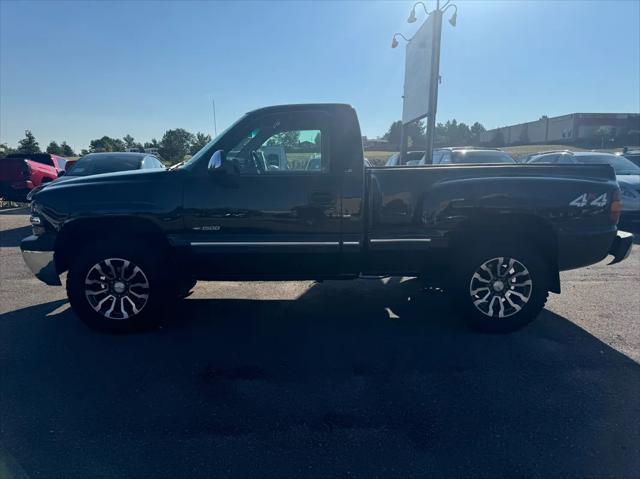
(581, 129)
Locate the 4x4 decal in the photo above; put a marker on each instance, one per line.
(589, 199)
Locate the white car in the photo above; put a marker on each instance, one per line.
(627, 174)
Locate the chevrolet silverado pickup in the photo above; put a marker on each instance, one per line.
(495, 236)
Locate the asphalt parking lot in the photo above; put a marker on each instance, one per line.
(370, 378)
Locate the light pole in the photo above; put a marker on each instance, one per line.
(435, 69)
(215, 126)
(403, 136)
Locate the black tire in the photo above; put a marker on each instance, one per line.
(130, 311)
(517, 303)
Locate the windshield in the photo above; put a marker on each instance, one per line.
(621, 165)
(205, 148)
(471, 156)
(104, 163)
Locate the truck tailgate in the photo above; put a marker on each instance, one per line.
(13, 169)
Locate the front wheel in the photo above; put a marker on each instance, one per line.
(500, 289)
(117, 288)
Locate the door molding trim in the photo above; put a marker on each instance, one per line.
(265, 243)
(400, 240)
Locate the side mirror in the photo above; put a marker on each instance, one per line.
(215, 162)
(61, 173)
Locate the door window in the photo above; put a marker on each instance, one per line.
(294, 143)
(293, 150)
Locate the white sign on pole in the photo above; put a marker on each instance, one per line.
(417, 73)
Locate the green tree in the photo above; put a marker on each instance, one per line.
(28, 144)
(54, 148)
(199, 142)
(106, 143)
(476, 130)
(463, 134)
(393, 133)
(66, 149)
(415, 133)
(129, 141)
(175, 145)
(4, 150)
(152, 144)
(288, 139)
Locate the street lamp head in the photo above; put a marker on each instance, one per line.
(453, 19)
(394, 42)
(412, 16)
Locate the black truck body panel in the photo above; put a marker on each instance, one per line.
(339, 223)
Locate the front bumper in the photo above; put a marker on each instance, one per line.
(621, 246)
(37, 252)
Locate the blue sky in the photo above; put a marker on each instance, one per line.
(78, 70)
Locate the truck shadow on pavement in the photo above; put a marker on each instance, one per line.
(11, 238)
(359, 378)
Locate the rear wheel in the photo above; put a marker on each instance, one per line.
(117, 288)
(501, 288)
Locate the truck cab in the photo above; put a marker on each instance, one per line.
(289, 221)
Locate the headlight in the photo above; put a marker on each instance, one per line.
(626, 193)
(37, 224)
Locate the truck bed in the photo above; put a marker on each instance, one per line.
(435, 203)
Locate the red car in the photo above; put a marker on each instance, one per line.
(22, 172)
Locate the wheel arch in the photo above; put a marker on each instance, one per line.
(530, 229)
(79, 233)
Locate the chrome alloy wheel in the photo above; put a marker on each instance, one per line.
(116, 288)
(501, 287)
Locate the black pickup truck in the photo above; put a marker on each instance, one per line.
(496, 236)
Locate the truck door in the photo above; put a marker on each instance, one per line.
(265, 219)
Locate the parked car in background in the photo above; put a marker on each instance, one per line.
(528, 158)
(627, 174)
(470, 155)
(112, 162)
(99, 163)
(22, 172)
(453, 155)
(632, 154)
(68, 165)
(411, 158)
